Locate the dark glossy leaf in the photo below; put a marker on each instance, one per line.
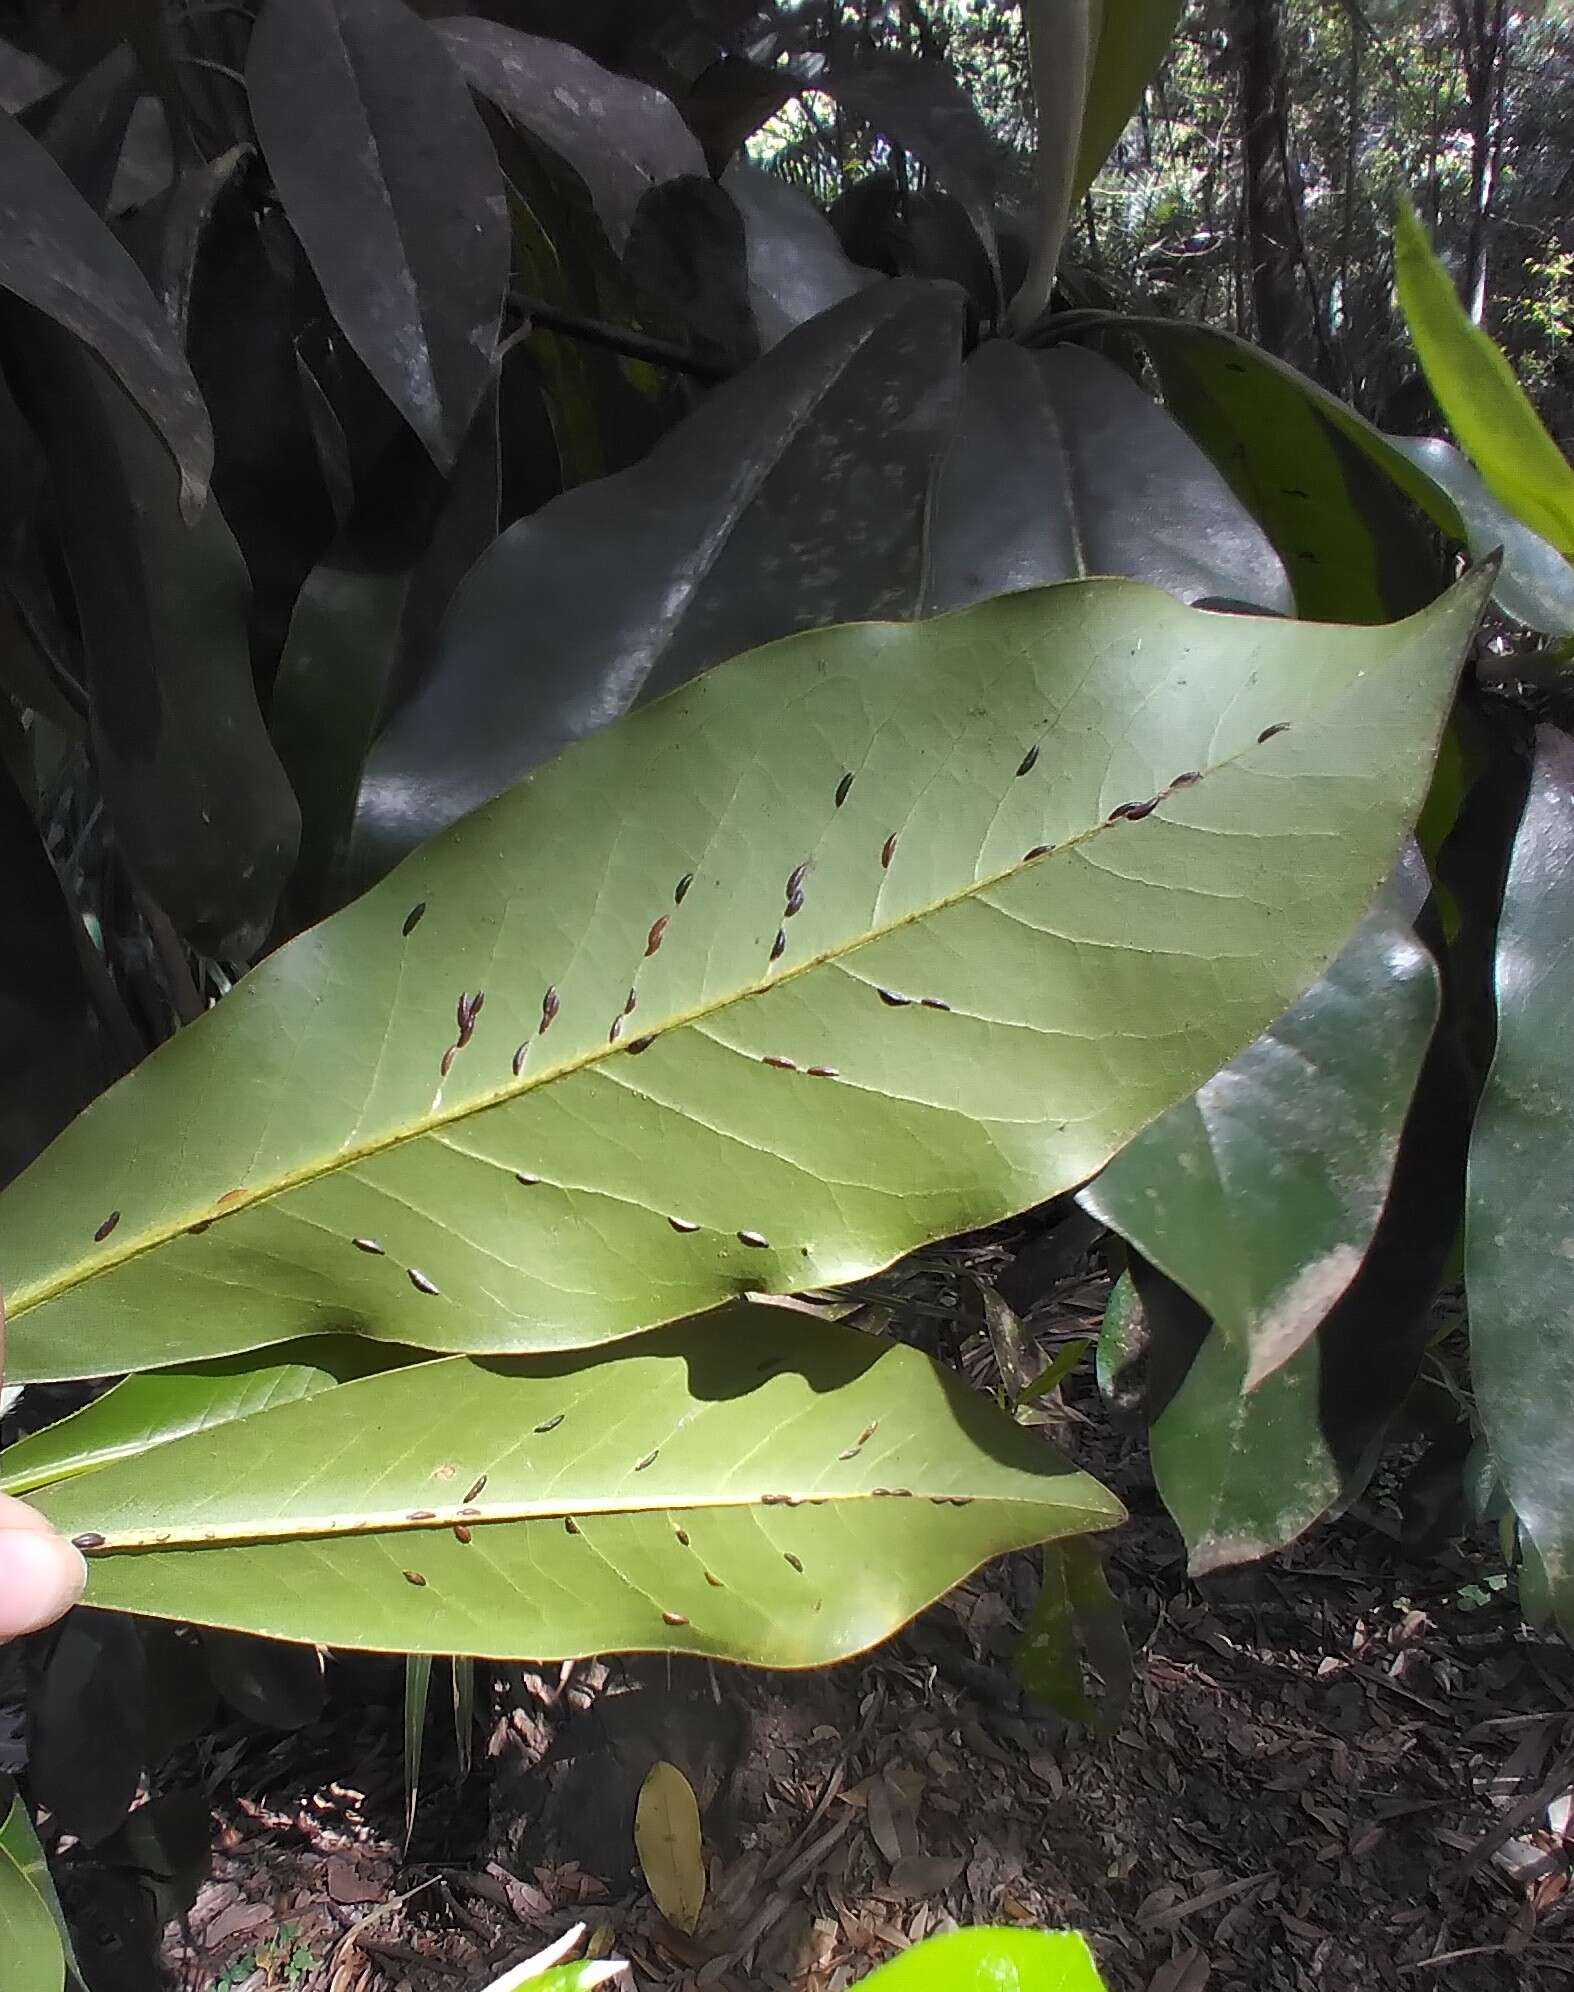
(278, 1686)
(686, 249)
(183, 219)
(884, 226)
(1261, 1197)
(52, 1059)
(57, 255)
(82, 125)
(722, 539)
(797, 268)
(200, 804)
(388, 178)
(591, 1503)
(1319, 479)
(998, 957)
(1536, 586)
(917, 103)
(88, 1725)
(620, 136)
(1061, 467)
(1520, 1224)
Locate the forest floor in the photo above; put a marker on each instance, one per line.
(1344, 1769)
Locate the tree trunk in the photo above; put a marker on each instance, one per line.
(1270, 221)
(1481, 30)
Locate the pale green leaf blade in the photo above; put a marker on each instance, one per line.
(417, 1690)
(29, 1940)
(919, 923)
(590, 1503)
(992, 1961)
(1061, 36)
(1485, 405)
(1520, 1207)
(1133, 37)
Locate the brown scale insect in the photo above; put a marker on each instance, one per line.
(649, 1459)
(549, 1008)
(822, 1072)
(89, 1539)
(520, 1057)
(795, 1561)
(106, 1227)
(844, 789)
(682, 1535)
(1268, 732)
(570, 1526)
(780, 1064)
(714, 1581)
(419, 1280)
(1038, 851)
(474, 1491)
(420, 1515)
(868, 1431)
(773, 1500)
(639, 1044)
(934, 1003)
(461, 1533)
(196, 1230)
(888, 852)
(529, 1181)
(779, 945)
(368, 1245)
(413, 919)
(414, 1577)
(682, 1224)
(673, 1618)
(681, 890)
(630, 1002)
(615, 1029)
(466, 1011)
(551, 1424)
(1028, 762)
(449, 1056)
(892, 1000)
(852, 1452)
(1185, 781)
(657, 934)
(794, 904)
(1132, 812)
(755, 1238)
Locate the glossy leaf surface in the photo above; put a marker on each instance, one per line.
(620, 136)
(992, 1961)
(1484, 404)
(865, 939)
(617, 1509)
(390, 181)
(796, 266)
(1063, 467)
(1521, 1199)
(1260, 1196)
(29, 1941)
(720, 539)
(57, 255)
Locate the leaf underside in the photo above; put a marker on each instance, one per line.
(847, 945)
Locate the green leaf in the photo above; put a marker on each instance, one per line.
(417, 1689)
(797, 267)
(58, 256)
(1077, 1619)
(992, 1961)
(30, 1941)
(1020, 937)
(1133, 39)
(151, 1409)
(1063, 467)
(1316, 476)
(1484, 404)
(590, 1503)
(1261, 1196)
(718, 540)
(1062, 37)
(388, 177)
(1536, 586)
(464, 1711)
(1520, 1210)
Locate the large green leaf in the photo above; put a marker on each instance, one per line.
(1061, 467)
(1521, 1197)
(992, 1960)
(1484, 404)
(29, 1941)
(1317, 477)
(1133, 38)
(1261, 1196)
(722, 538)
(864, 939)
(797, 267)
(590, 1503)
(1536, 586)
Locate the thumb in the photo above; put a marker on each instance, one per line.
(41, 1574)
